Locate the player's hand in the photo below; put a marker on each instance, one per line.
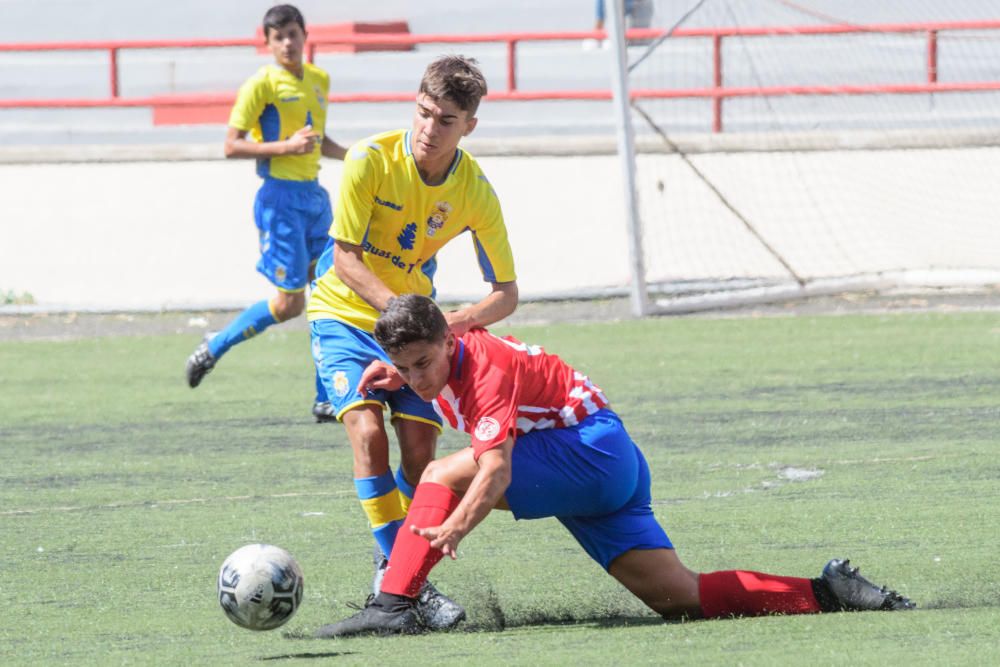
(441, 538)
(302, 142)
(457, 321)
(379, 375)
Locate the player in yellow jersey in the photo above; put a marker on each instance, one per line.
(403, 196)
(279, 119)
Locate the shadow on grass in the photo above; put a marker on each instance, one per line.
(497, 619)
(499, 623)
(308, 656)
(597, 621)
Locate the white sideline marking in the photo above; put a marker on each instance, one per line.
(800, 474)
(174, 501)
(720, 494)
(832, 462)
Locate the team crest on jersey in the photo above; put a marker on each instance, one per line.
(319, 96)
(487, 429)
(280, 273)
(438, 217)
(341, 385)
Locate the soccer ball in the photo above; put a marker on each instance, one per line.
(260, 586)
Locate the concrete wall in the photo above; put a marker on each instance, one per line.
(180, 234)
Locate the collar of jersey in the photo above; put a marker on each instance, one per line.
(282, 70)
(408, 151)
(456, 360)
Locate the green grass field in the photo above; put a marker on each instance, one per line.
(775, 444)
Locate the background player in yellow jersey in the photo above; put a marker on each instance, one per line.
(279, 119)
(404, 194)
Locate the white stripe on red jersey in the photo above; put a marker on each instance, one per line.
(447, 406)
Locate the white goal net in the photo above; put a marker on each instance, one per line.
(850, 153)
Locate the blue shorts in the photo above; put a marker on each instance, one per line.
(594, 479)
(293, 219)
(342, 353)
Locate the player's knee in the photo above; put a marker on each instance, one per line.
(439, 472)
(678, 611)
(368, 436)
(369, 444)
(288, 306)
(673, 599)
(433, 473)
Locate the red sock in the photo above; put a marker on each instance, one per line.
(742, 593)
(412, 556)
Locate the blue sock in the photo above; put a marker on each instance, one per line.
(406, 490)
(380, 501)
(248, 324)
(385, 536)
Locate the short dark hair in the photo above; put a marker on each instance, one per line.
(281, 15)
(455, 78)
(410, 318)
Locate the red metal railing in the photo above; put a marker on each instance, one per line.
(717, 92)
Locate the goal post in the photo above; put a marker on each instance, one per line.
(638, 293)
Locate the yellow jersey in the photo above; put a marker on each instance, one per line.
(274, 104)
(400, 222)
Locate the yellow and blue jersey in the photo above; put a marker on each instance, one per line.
(274, 104)
(401, 222)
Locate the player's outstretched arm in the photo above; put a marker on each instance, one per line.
(498, 304)
(379, 375)
(238, 146)
(485, 491)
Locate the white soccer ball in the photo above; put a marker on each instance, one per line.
(260, 586)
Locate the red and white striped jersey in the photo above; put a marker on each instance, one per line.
(501, 386)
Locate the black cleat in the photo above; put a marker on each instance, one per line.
(437, 610)
(199, 364)
(855, 593)
(323, 412)
(374, 620)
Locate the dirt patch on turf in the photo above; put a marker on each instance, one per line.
(18, 324)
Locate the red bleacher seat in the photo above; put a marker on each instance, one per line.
(198, 114)
(319, 32)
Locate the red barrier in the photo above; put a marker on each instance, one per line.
(324, 37)
(214, 107)
(197, 114)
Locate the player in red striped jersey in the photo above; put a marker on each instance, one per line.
(550, 393)
(545, 443)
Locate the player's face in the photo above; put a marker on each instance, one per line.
(286, 44)
(425, 366)
(438, 126)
